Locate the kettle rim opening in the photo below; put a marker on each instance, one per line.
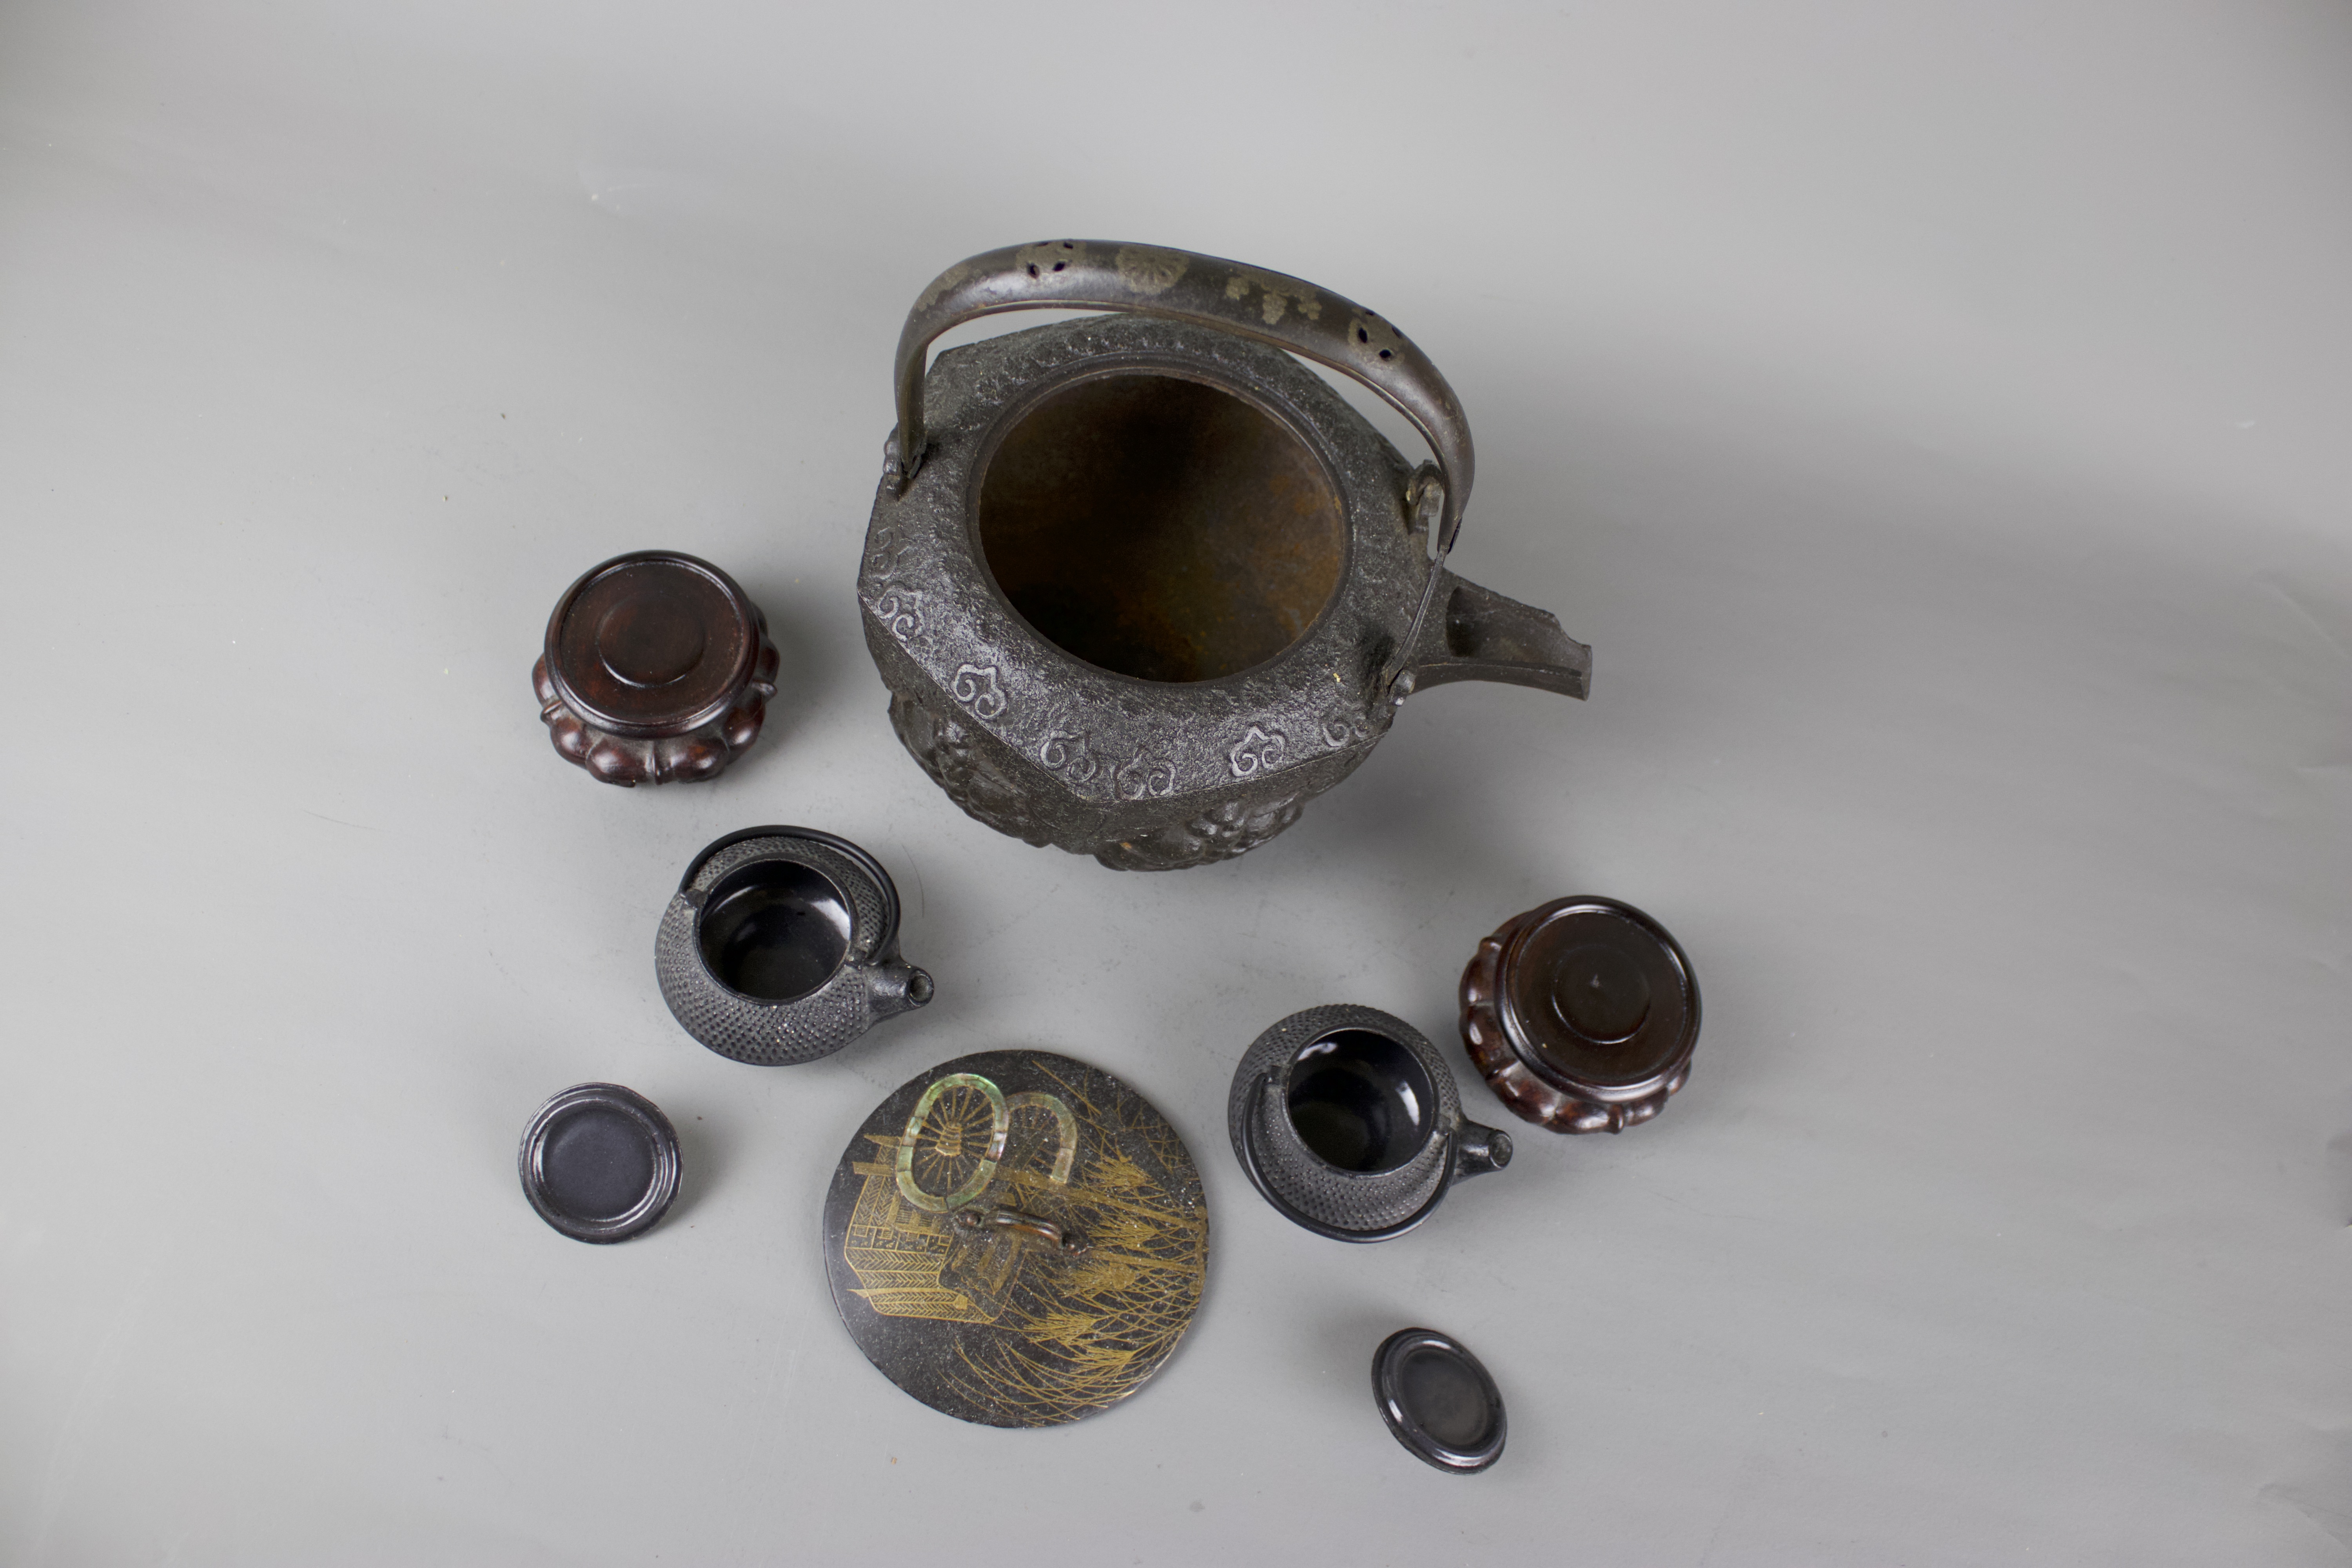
(1194, 596)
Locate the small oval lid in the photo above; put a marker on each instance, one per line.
(657, 667)
(1439, 1400)
(600, 1162)
(1016, 1239)
(1582, 1015)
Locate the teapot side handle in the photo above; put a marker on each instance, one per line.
(1248, 301)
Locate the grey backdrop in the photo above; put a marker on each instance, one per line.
(1935, 416)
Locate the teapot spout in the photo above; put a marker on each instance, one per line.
(1482, 636)
(897, 986)
(1478, 1149)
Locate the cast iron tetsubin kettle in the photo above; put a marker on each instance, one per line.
(1139, 584)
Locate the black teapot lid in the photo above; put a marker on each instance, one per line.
(1439, 1400)
(1016, 1239)
(600, 1162)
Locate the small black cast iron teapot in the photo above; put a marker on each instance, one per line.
(782, 946)
(1346, 1120)
(1141, 584)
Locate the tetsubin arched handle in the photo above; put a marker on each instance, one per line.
(1289, 313)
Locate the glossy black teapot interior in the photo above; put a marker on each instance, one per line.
(775, 930)
(1360, 1101)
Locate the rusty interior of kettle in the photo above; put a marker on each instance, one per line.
(1139, 584)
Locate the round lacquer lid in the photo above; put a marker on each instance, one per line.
(1438, 1401)
(1582, 1015)
(600, 1162)
(657, 667)
(1016, 1239)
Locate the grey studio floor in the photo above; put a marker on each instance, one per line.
(1935, 416)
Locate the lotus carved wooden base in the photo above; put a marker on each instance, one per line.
(1582, 1015)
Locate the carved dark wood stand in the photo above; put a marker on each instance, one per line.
(657, 668)
(1582, 1015)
